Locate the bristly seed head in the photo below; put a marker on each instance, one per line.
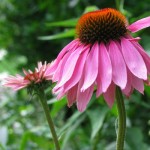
(101, 25)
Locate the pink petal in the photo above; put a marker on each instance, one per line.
(83, 98)
(134, 39)
(71, 45)
(61, 93)
(109, 95)
(138, 84)
(119, 73)
(133, 59)
(72, 95)
(140, 24)
(69, 48)
(18, 87)
(59, 70)
(39, 65)
(128, 89)
(105, 68)
(91, 67)
(69, 66)
(77, 71)
(145, 56)
(99, 86)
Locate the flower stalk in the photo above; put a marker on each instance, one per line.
(120, 4)
(121, 120)
(43, 100)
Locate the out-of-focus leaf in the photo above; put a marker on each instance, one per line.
(147, 90)
(97, 118)
(137, 100)
(70, 121)
(146, 43)
(39, 140)
(90, 8)
(58, 106)
(134, 139)
(111, 146)
(146, 14)
(70, 131)
(65, 23)
(65, 34)
(51, 101)
(2, 147)
(3, 135)
(114, 110)
(75, 117)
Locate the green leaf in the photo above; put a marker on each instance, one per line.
(58, 106)
(65, 34)
(70, 121)
(97, 118)
(134, 139)
(114, 110)
(39, 140)
(90, 8)
(70, 131)
(146, 14)
(65, 23)
(2, 147)
(147, 90)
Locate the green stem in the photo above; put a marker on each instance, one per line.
(43, 100)
(121, 120)
(119, 4)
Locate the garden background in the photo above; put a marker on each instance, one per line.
(37, 30)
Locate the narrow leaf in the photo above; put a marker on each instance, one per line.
(65, 34)
(97, 118)
(65, 23)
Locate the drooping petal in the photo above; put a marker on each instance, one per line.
(83, 98)
(61, 93)
(19, 87)
(128, 89)
(134, 39)
(138, 84)
(133, 59)
(140, 24)
(99, 86)
(59, 70)
(67, 49)
(16, 82)
(52, 68)
(145, 56)
(109, 95)
(91, 67)
(119, 73)
(77, 71)
(69, 66)
(105, 68)
(71, 45)
(72, 95)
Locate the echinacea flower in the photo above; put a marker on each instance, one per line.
(30, 79)
(104, 55)
(36, 82)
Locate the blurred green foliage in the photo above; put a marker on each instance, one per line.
(37, 30)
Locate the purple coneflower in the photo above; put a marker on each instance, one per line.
(36, 82)
(104, 55)
(30, 79)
